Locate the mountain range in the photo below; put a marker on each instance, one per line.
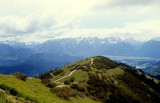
(29, 55)
(101, 46)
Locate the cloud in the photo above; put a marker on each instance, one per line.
(14, 26)
(133, 2)
(40, 20)
(126, 3)
(141, 31)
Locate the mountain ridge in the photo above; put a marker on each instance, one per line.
(94, 79)
(104, 73)
(83, 47)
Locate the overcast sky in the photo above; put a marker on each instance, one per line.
(40, 20)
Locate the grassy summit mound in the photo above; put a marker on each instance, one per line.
(94, 79)
(107, 81)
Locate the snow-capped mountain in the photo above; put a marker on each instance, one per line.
(17, 45)
(86, 46)
(17, 53)
(93, 46)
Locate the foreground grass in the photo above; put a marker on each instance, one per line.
(34, 89)
(4, 99)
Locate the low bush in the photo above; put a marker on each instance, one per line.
(13, 91)
(45, 81)
(65, 93)
(51, 85)
(77, 87)
(48, 83)
(72, 79)
(67, 82)
(4, 87)
(57, 72)
(20, 76)
(45, 75)
(72, 69)
(50, 74)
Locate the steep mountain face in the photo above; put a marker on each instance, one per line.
(11, 56)
(133, 42)
(118, 49)
(106, 81)
(6, 51)
(150, 49)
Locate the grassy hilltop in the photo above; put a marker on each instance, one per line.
(94, 79)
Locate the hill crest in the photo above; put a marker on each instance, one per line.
(94, 79)
(105, 80)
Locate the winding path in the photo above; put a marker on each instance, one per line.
(65, 76)
(91, 61)
(72, 72)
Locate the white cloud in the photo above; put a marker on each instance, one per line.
(140, 30)
(40, 20)
(14, 26)
(126, 3)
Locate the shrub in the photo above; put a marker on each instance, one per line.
(23, 77)
(67, 82)
(13, 91)
(48, 83)
(81, 89)
(57, 71)
(52, 85)
(45, 81)
(72, 69)
(62, 74)
(46, 75)
(49, 74)
(72, 79)
(4, 87)
(77, 87)
(20, 76)
(65, 93)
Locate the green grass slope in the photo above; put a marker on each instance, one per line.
(91, 80)
(33, 89)
(107, 81)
